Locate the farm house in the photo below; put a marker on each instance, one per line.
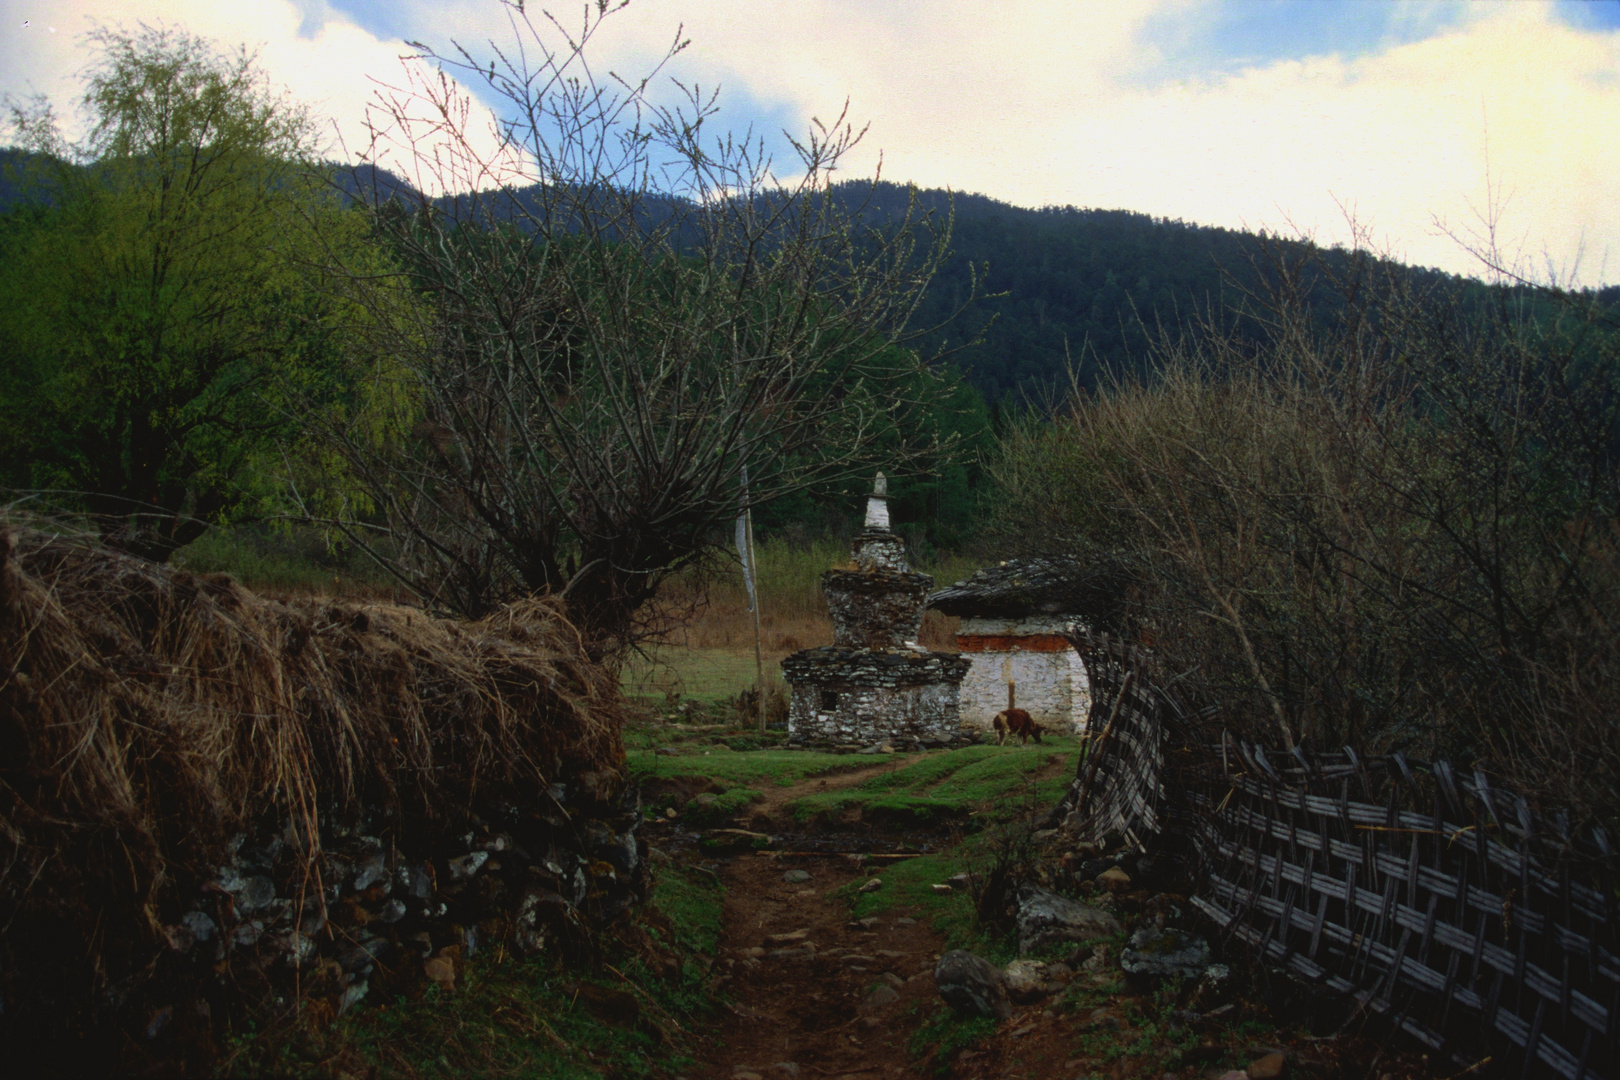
(1013, 617)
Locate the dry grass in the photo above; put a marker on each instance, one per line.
(148, 715)
(711, 654)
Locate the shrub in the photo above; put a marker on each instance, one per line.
(1397, 532)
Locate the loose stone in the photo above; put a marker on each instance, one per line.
(1045, 918)
(1269, 1067)
(1114, 880)
(971, 985)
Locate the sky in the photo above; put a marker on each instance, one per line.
(1419, 121)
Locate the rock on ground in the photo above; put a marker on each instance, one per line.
(971, 984)
(1269, 1067)
(1164, 953)
(1026, 981)
(1045, 918)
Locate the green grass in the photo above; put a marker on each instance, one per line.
(725, 806)
(289, 558)
(909, 884)
(709, 676)
(728, 768)
(945, 1035)
(990, 781)
(510, 1016)
(691, 903)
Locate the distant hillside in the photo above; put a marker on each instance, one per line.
(1058, 286)
(1064, 286)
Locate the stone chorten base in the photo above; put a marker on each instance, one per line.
(847, 695)
(874, 682)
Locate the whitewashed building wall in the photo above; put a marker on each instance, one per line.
(1031, 655)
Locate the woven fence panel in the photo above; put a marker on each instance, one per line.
(1121, 782)
(1427, 895)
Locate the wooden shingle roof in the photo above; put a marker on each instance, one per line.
(1038, 585)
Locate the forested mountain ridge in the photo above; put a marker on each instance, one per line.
(1034, 292)
(1064, 286)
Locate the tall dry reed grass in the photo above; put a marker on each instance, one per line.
(793, 613)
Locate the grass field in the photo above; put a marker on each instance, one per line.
(997, 782)
(986, 796)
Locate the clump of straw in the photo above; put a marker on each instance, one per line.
(147, 716)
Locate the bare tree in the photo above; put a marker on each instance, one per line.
(1392, 520)
(618, 314)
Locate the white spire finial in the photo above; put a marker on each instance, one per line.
(877, 505)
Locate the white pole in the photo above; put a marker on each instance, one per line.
(759, 655)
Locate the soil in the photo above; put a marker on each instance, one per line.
(800, 976)
(813, 994)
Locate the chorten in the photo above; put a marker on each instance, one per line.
(874, 682)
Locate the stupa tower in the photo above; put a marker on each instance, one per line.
(874, 682)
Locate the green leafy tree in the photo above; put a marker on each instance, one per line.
(158, 314)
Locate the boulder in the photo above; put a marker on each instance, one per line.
(1025, 981)
(1155, 953)
(1045, 918)
(467, 865)
(255, 894)
(971, 985)
(1114, 880)
(1269, 1067)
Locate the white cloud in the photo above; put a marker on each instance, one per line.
(1048, 103)
(1051, 101)
(336, 69)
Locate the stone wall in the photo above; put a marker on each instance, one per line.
(881, 609)
(1048, 678)
(858, 695)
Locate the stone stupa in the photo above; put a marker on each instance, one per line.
(875, 683)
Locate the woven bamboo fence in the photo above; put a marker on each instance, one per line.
(1485, 930)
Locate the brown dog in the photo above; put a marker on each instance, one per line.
(1016, 722)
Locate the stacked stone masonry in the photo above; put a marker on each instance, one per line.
(864, 695)
(874, 683)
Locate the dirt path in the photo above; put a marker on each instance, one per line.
(773, 805)
(811, 988)
(814, 994)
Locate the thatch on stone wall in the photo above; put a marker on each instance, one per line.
(148, 715)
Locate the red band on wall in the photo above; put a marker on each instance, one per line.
(1012, 643)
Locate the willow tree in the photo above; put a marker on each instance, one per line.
(158, 313)
(621, 316)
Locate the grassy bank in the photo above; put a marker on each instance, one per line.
(632, 1014)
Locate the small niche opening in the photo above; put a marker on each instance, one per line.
(829, 700)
